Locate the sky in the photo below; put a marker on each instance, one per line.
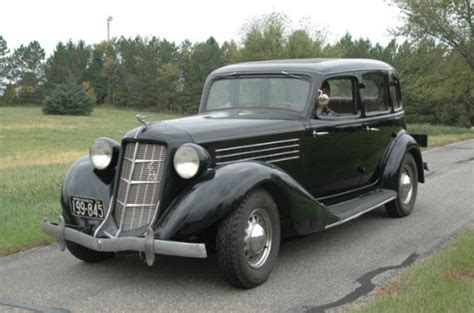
(51, 21)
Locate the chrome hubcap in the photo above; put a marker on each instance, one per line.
(257, 238)
(406, 185)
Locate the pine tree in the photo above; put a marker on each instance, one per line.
(68, 98)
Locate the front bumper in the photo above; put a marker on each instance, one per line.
(148, 244)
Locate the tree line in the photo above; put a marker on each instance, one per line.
(154, 73)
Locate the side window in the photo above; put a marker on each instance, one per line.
(342, 98)
(375, 92)
(395, 93)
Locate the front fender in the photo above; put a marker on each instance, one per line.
(82, 179)
(222, 189)
(401, 145)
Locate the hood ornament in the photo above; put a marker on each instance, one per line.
(141, 118)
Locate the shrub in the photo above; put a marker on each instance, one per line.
(68, 98)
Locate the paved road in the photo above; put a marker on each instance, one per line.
(313, 273)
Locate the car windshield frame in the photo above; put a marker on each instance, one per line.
(280, 75)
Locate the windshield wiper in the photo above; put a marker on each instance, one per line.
(292, 75)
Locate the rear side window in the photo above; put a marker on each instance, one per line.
(375, 92)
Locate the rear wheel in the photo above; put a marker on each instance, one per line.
(248, 241)
(407, 189)
(86, 254)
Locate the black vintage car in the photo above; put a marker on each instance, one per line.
(279, 148)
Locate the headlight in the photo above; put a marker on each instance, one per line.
(101, 152)
(189, 160)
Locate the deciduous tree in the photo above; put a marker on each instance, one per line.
(3, 63)
(449, 22)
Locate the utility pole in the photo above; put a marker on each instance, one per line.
(109, 19)
(109, 89)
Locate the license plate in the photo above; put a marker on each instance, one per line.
(86, 207)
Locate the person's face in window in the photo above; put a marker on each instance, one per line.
(326, 89)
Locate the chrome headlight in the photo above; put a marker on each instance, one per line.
(101, 152)
(189, 160)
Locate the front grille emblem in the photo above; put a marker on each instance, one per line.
(153, 171)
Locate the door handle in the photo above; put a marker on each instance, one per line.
(316, 133)
(370, 129)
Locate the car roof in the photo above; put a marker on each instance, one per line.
(325, 66)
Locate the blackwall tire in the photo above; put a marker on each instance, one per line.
(407, 189)
(248, 241)
(86, 254)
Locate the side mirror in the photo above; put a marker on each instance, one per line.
(323, 98)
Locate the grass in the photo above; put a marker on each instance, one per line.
(441, 135)
(443, 282)
(36, 150)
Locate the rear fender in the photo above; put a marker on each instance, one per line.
(221, 190)
(402, 144)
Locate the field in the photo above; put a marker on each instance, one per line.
(441, 135)
(36, 151)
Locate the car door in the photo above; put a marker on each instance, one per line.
(334, 141)
(380, 121)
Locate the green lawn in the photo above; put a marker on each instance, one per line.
(443, 282)
(441, 135)
(36, 150)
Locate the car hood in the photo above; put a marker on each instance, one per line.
(226, 125)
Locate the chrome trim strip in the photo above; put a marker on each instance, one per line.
(359, 214)
(260, 157)
(106, 216)
(109, 235)
(131, 205)
(138, 182)
(284, 159)
(146, 187)
(257, 144)
(159, 201)
(128, 190)
(346, 192)
(138, 131)
(143, 161)
(257, 151)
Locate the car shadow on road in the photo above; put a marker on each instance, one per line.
(169, 271)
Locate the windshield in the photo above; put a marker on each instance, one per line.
(282, 93)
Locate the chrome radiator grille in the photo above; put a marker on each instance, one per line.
(272, 152)
(138, 193)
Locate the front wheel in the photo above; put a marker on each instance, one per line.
(407, 189)
(248, 241)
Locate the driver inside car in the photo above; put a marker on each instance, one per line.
(323, 109)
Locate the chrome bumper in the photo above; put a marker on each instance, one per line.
(149, 245)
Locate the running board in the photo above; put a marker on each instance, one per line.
(351, 209)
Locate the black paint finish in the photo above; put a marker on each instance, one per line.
(218, 192)
(359, 154)
(82, 179)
